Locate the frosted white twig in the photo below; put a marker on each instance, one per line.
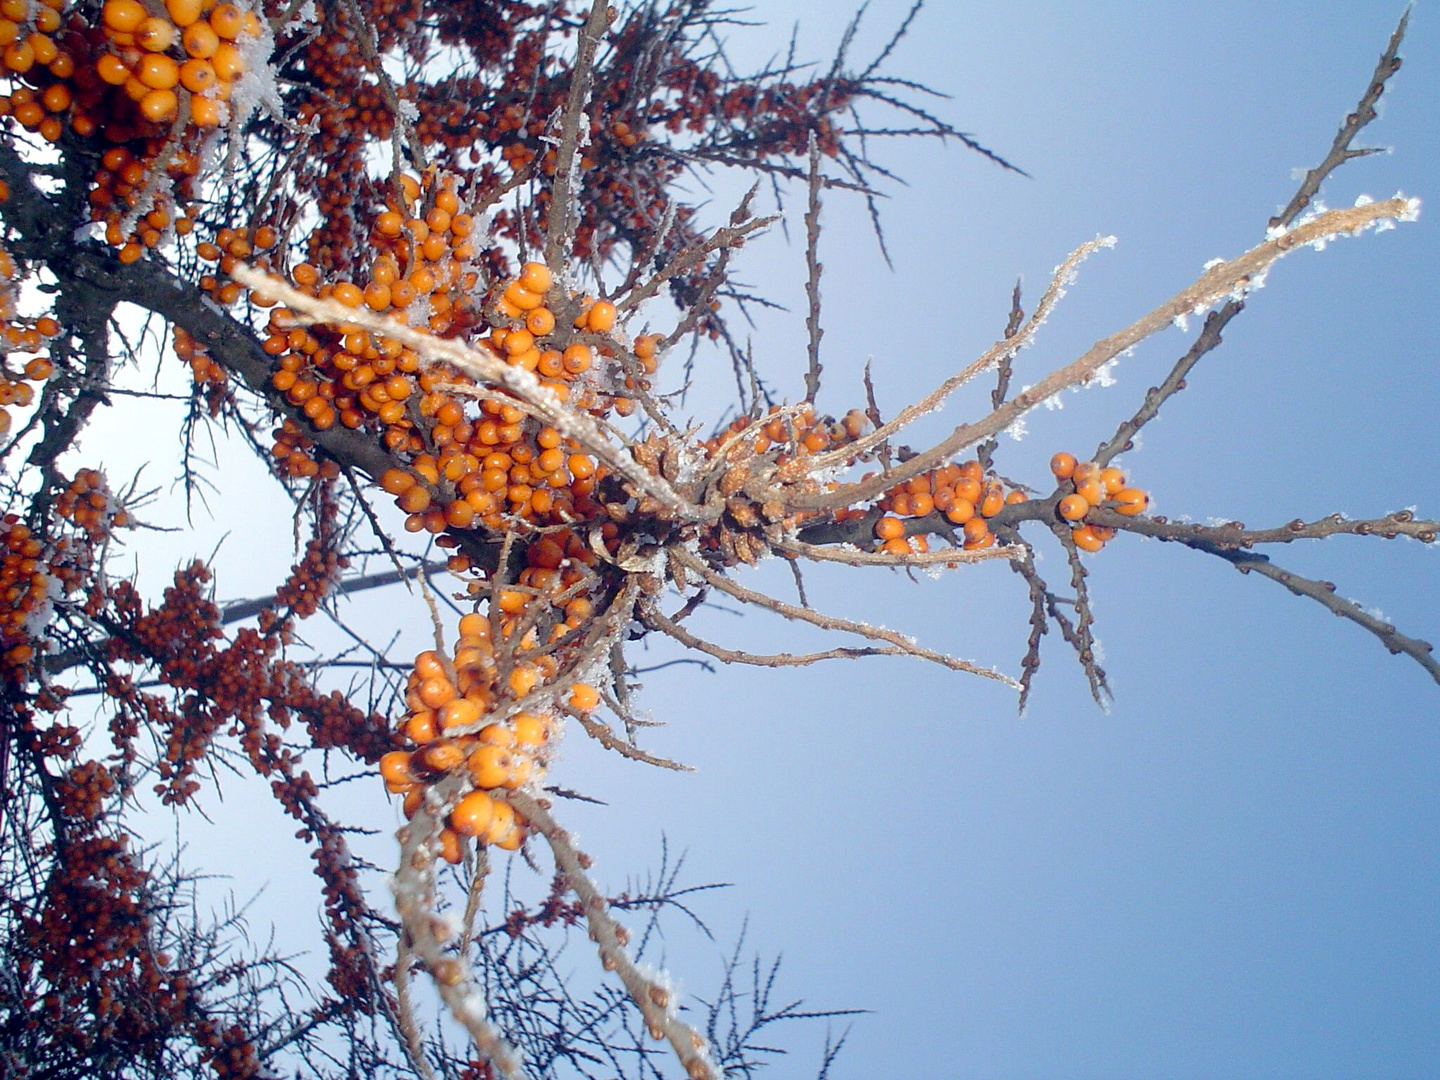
(1216, 284)
(571, 423)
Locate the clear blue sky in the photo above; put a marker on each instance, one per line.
(1236, 871)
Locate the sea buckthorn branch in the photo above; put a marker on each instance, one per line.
(1235, 535)
(1323, 593)
(569, 422)
(1208, 339)
(951, 558)
(601, 733)
(1006, 346)
(655, 1000)
(813, 268)
(833, 622)
(559, 233)
(984, 453)
(403, 131)
(1232, 541)
(651, 616)
(1341, 151)
(1039, 625)
(728, 238)
(414, 900)
(1217, 283)
(1083, 639)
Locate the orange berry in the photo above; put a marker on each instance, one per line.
(474, 625)
(490, 765)
(523, 679)
(522, 297)
(1091, 490)
(1132, 501)
(226, 20)
(158, 71)
(530, 729)
(421, 728)
(889, 528)
(197, 76)
(496, 735)
(155, 35)
(159, 105)
(450, 849)
(961, 511)
(601, 317)
(993, 502)
(184, 12)
(436, 691)
(123, 16)
(584, 697)
(1063, 465)
(443, 756)
(461, 712)
(1073, 507)
(112, 70)
(199, 40)
(472, 814)
(228, 61)
(540, 321)
(536, 277)
(57, 97)
(1086, 538)
(395, 768)
(577, 358)
(1112, 479)
(503, 827)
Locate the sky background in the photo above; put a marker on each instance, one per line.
(1236, 870)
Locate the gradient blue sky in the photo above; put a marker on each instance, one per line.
(1236, 871)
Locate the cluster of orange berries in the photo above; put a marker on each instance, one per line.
(203, 369)
(124, 180)
(422, 263)
(960, 491)
(87, 504)
(34, 574)
(231, 246)
(1094, 486)
(800, 434)
(24, 596)
(185, 61)
(293, 457)
(447, 704)
(30, 51)
(464, 468)
(20, 336)
(156, 59)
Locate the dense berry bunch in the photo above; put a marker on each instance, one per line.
(1093, 486)
(960, 491)
(36, 57)
(20, 335)
(466, 717)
